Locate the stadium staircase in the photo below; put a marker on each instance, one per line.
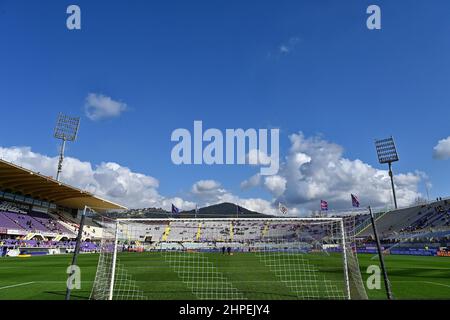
(69, 226)
(59, 237)
(231, 231)
(199, 231)
(166, 233)
(31, 235)
(368, 222)
(265, 229)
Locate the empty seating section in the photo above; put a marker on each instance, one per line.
(246, 231)
(156, 231)
(49, 223)
(6, 222)
(24, 222)
(33, 222)
(85, 245)
(145, 232)
(434, 216)
(423, 217)
(91, 229)
(10, 207)
(180, 231)
(418, 218)
(92, 232)
(235, 231)
(56, 223)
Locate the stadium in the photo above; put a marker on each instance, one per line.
(231, 152)
(199, 255)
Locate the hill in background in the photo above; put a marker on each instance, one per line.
(221, 210)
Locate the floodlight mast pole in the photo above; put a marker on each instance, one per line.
(61, 158)
(392, 184)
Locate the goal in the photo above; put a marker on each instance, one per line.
(228, 258)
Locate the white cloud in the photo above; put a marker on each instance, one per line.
(119, 184)
(251, 182)
(275, 184)
(178, 202)
(258, 157)
(313, 169)
(289, 46)
(108, 179)
(205, 186)
(316, 169)
(209, 192)
(255, 204)
(442, 150)
(99, 107)
(284, 49)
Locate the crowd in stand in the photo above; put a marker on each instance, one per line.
(17, 223)
(432, 216)
(85, 246)
(15, 217)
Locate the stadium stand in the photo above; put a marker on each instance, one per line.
(44, 213)
(38, 212)
(422, 230)
(417, 218)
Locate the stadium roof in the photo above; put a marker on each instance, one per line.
(38, 186)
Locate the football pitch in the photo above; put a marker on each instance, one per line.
(44, 277)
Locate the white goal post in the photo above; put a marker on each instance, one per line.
(228, 258)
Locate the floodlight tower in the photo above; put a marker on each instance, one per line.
(387, 153)
(66, 129)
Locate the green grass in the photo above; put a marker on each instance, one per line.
(158, 278)
(412, 277)
(45, 277)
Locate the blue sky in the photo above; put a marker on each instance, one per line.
(309, 66)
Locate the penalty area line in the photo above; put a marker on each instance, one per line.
(17, 285)
(438, 284)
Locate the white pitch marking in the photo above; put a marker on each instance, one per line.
(17, 285)
(438, 284)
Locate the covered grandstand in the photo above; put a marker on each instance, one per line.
(37, 211)
(21, 183)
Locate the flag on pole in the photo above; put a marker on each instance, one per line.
(196, 210)
(355, 200)
(175, 209)
(323, 205)
(282, 208)
(239, 210)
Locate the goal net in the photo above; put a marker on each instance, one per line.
(226, 259)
